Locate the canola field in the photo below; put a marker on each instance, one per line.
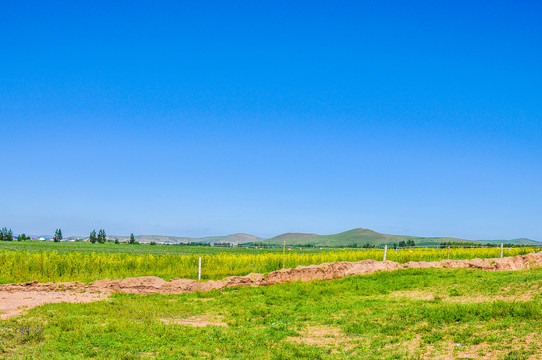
(58, 266)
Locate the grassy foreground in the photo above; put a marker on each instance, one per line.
(406, 314)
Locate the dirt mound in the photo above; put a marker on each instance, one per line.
(37, 286)
(152, 284)
(143, 284)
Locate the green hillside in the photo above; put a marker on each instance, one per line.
(290, 237)
(359, 237)
(230, 239)
(520, 241)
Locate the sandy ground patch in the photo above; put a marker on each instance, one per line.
(196, 321)
(463, 298)
(15, 303)
(320, 335)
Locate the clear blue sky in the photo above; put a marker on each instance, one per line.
(202, 118)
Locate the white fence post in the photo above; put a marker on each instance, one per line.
(199, 268)
(385, 251)
(283, 253)
(502, 249)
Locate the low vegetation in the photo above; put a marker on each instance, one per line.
(86, 266)
(406, 314)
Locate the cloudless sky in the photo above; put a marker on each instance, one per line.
(213, 117)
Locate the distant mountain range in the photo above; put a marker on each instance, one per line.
(357, 236)
(361, 237)
(234, 239)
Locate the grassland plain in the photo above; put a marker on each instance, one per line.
(405, 314)
(55, 266)
(123, 248)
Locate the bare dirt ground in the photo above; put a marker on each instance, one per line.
(199, 321)
(16, 298)
(16, 302)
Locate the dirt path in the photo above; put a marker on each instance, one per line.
(16, 298)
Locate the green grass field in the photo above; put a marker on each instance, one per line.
(123, 248)
(406, 314)
(86, 262)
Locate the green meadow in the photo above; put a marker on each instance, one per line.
(406, 314)
(124, 248)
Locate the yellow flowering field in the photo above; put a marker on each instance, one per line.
(45, 266)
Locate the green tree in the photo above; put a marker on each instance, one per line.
(117, 241)
(132, 239)
(23, 237)
(58, 235)
(92, 236)
(6, 235)
(101, 236)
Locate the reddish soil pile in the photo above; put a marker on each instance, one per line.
(17, 297)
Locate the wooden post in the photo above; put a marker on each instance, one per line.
(385, 251)
(283, 252)
(501, 249)
(199, 268)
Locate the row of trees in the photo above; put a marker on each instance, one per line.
(456, 243)
(6, 235)
(362, 246)
(100, 237)
(407, 243)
